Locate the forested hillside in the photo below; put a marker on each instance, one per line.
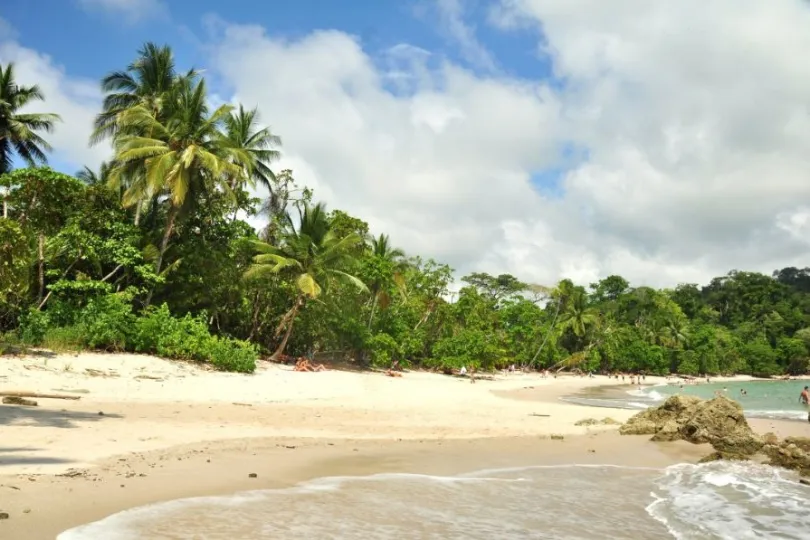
(150, 253)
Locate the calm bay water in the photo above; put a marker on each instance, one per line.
(715, 500)
(761, 399)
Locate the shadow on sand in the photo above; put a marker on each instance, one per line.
(8, 456)
(11, 415)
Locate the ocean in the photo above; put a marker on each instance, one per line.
(715, 500)
(761, 399)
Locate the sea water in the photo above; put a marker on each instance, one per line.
(714, 500)
(759, 399)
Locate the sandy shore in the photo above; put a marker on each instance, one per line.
(147, 430)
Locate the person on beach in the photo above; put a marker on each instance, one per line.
(804, 399)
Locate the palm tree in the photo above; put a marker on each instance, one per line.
(560, 297)
(253, 145)
(18, 130)
(148, 82)
(93, 178)
(578, 316)
(313, 255)
(181, 155)
(384, 257)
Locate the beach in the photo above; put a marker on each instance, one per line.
(147, 430)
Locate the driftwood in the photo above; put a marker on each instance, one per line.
(13, 400)
(23, 394)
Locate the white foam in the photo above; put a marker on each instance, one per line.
(730, 500)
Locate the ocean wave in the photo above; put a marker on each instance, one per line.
(396, 505)
(730, 500)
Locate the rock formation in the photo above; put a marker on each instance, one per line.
(721, 423)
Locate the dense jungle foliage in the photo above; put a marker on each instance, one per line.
(152, 253)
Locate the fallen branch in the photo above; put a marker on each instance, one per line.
(23, 394)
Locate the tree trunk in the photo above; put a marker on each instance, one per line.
(373, 308)
(290, 317)
(164, 245)
(5, 205)
(551, 329)
(138, 213)
(41, 266)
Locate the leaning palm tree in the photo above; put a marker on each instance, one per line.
(384, 257)
(18, 130)
(181, 156)
(253, 144)
(312, 254)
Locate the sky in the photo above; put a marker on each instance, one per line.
(664, 141)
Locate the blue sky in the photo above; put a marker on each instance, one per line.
(89, 42)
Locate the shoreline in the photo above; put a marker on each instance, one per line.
(148, 430)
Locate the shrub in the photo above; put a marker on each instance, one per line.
(232, 354)
(383, 349)
(33, 325)
(106, 321)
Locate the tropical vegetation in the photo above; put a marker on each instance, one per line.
(152, 252)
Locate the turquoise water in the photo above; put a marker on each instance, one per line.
(762, 399)
(769, 399)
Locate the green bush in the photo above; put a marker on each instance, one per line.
(232, 354)
(383, 350)
(33, 325)
(107, 323)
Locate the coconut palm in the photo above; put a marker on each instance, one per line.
(252, 144)
(182, 155)
(577, 315)
(91, 177)
(148, 82)
(387, 263)
(18, 130)
(313, 255)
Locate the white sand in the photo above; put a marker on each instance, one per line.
(187, 405)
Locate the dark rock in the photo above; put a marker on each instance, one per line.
(804, 481)
(253, 475)
(3, 515)
(557, 438)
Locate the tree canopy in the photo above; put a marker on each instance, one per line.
(152, 252)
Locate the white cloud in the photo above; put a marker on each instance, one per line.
(132, 11)
(693, 116)
(696, 129)
(76, 100)
(451, 14)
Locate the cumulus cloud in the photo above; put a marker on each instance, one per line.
(695, 130)
(132, 11)
(451, 14)
(689, 118)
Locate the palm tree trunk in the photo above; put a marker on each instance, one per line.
(373, 309)
(290, 317)
(551, 329)
(164, 245)
(137, 214)
(41, 266)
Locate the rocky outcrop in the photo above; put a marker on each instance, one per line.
(719, 422)
(792, 453)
